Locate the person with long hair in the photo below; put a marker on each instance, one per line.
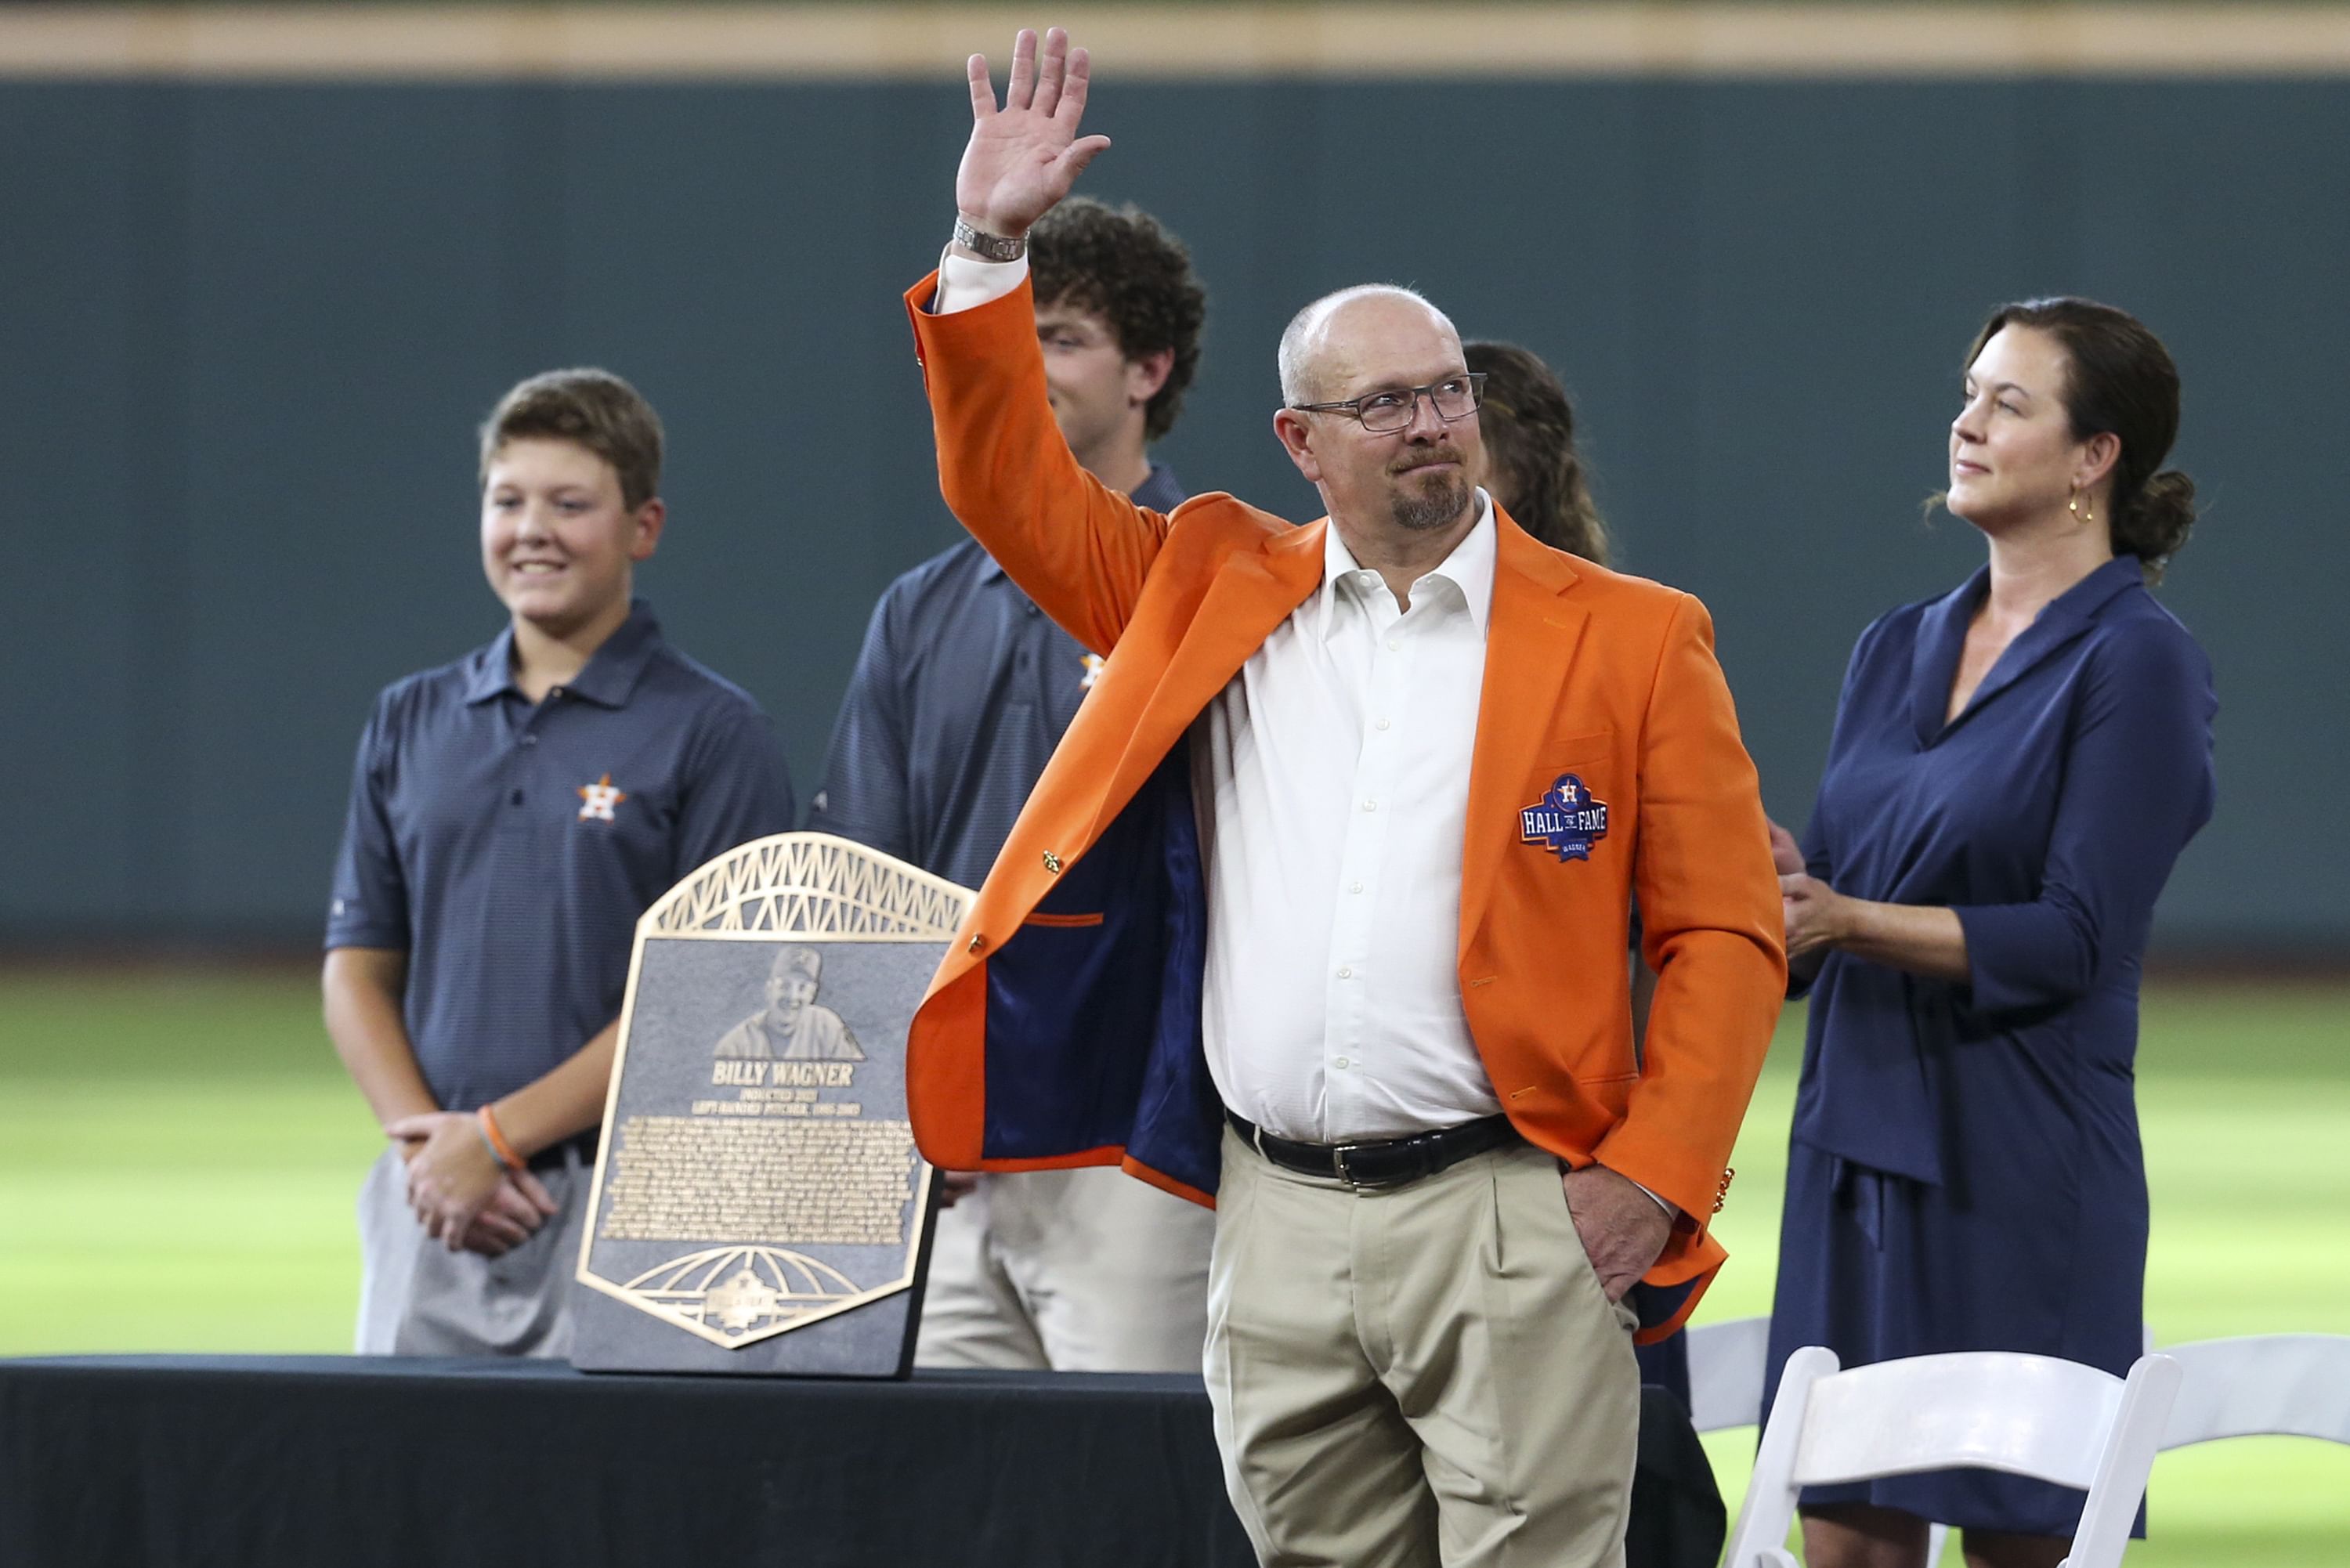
(2014, 768)
(1532, 466)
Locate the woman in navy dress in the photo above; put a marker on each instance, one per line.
(2015, 767)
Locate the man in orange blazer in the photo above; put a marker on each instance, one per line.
(1320, 909)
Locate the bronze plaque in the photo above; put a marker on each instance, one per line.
(759, 1205)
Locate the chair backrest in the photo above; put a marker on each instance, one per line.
(1725, 1367)
(2026, 1415)
(1727, 1361)
(2269, 1384)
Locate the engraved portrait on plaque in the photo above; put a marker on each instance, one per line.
(759, 1205)
(792, 1026)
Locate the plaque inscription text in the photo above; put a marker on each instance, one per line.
(679, 1179)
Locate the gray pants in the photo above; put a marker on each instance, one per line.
(418, 1298)
(1074, 1271)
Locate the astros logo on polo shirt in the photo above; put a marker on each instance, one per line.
(599, 799)
(1093, 663)
(1566, 819)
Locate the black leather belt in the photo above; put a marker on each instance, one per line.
(1379, 1162)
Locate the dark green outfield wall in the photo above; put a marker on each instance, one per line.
(245, 334)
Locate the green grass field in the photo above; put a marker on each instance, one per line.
(179, 1154)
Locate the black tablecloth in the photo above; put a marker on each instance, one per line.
(324, 1462)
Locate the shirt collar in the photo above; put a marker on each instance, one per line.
(490, 671)
(1162, 492)
(2100, 588)
(609, 677)
(1469, 568)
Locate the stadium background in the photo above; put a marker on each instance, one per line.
(262, 272)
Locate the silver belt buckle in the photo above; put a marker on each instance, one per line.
(1339, 1153)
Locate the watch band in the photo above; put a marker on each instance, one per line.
(994, 247)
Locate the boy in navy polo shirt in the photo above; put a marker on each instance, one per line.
(511, 816)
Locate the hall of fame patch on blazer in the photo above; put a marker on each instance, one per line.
(1566, 820)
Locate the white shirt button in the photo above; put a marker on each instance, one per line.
(1370, 805)
(1354, 886)
(1383, 723)
(1341, 1064)
(1345, 972)
(1393, 645)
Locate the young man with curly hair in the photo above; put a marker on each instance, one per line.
(961, 692)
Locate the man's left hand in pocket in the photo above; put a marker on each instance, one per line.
(1623, 1228)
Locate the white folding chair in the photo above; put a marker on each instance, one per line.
(1726, 1364)
(2267, 1384)
(1725, 1368)
(2026, 1414)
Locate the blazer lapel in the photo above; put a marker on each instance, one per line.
(1530, 640)
(1253, 593)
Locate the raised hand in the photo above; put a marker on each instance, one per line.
(1024, 157)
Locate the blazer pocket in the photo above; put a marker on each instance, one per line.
(1612, 1091)
(1065, 922)
(1598, 744)
(1589, 757)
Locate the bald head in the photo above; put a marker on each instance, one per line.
(1400, 496)
(1344, 337)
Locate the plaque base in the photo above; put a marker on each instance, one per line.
(875, 1339)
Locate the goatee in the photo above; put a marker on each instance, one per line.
(1423, 508)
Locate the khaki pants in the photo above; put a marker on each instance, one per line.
(1422, 1375)
(1075, 1270)
(418, 1298)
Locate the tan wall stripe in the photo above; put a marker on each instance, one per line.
(1205, 41)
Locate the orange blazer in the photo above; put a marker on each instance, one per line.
(1062, 1027)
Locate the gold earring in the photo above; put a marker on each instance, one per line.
(2073, 504)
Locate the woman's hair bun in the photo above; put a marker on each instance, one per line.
(2153, 524)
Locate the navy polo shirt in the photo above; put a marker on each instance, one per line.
(508, 847)
(961, 693)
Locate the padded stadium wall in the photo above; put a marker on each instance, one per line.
(251, 312)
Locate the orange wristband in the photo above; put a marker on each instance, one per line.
(499, 1147)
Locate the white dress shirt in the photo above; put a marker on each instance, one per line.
(1331, 779)
(1332, 783)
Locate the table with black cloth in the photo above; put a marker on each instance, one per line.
(206, 1462)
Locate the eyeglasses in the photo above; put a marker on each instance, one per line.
(1454, 397)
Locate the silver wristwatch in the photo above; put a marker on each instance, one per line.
(994, 247)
